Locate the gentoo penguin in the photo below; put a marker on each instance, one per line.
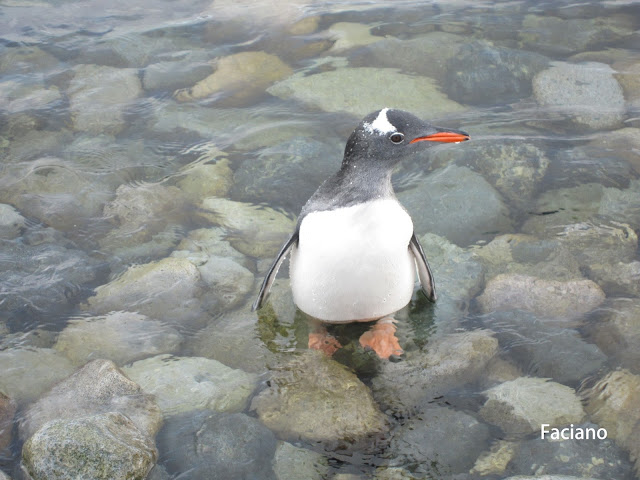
(354, 252)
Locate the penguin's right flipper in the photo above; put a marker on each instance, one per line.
(273, 271)
(424, 271)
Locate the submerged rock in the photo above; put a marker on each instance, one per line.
(621, 279)
(171, 75)
(103, 446)
(201, 180)
(292, 463)
(11, 222)
(7, 411)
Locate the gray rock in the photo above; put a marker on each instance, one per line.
(7, 412)
(621, 279)
(358, 91)
(200, 180)
(298, 405)
(103, 446)
(11, 222)
(481, 72)
(440, 441)
(520, 406)
(441, 205)
(213, 446)
(622, 205)
(588, 93)
(21, 58)
(19, 97)
(549, 477)
(119, 336)
(98, 387)
(28, 372)
(546, 298)
(3, 476)
(292, 463)
(228, 281)
(172, 75)
(183, 384)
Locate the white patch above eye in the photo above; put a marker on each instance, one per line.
(381, 124)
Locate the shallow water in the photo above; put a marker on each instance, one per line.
(155, 156)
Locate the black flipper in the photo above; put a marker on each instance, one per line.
(424, 272)
(273, 271)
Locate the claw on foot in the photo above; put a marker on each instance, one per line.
(382, 340)
(324, 342)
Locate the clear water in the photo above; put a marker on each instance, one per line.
(94, 159)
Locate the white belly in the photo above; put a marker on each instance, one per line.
(353, 263)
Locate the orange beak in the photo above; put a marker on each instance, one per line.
(445, 137)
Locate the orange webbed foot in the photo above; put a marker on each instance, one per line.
(382, 340)
(324, 342)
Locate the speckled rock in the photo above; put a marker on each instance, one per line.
(11, 222)
(202, 180)
(254, 230)
(292, 463)
(28, 372)
(183, 384)
(217, 446)
(522, 405)
(99, 95)
(547, 298)
(357, 91)
(103, 446)
(239, 79)
(311, 389)
(439, 440)
(7, 411)
(588, 93)
(98, 387)
(119, 336)
(463, 215)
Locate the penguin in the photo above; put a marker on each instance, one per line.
(354, 252)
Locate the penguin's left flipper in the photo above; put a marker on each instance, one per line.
(424, 272)
(273, 271)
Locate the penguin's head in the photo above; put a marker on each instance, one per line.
(387, 135)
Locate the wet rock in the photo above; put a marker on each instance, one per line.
(481, 72)
(98, 387)
(620, 144)
(254, 230)
(547, 298)
(228, 281)
(17, 97)
(448, 362)
(7, 412)
(622, 205)
(183, 384)
(588, 93)
(545, 350)
(3, 476)
(615, 328)
(621, 279)
(171, 75)
(628, 68)
(440, 441)
(463, 215)
(25, 59)
(348, 35)
(120, 336)
(212, 446)
(595, 458)
(495, 461)
(98, 97)
(167, 290)
(239, 79)
(316, 399)
(102, 446)
(202, 180)
(357, 91)
(27, 373)
(11, 222)
(411, 55)
(292, 463)
(522, 405)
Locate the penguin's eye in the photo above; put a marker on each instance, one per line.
(396, 137)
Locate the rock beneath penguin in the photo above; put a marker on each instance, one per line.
(217, 446)
(546, 298)
(520, 406)
(102, 446)
(316, 399)
(97, 388)
(121, 337)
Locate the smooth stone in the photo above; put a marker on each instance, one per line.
(98, 387)
(217, 446)
(448, 362)
(184, 384)
(172, 75)
(292, 463)
(103, 446)
(167, 290)
(348, 35)
(254, 230)
(546, 298)
(520, 406)
(481, 72)
(439, 440)
(11, 222)
(239, 79)
(357, 91)
(122, 337)
(314, 398)
(98, 97)
(7, 412)
(615, 328)
(28, 372)
(211, 179)
(462, 215)
(588, 93)
(621, 279)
